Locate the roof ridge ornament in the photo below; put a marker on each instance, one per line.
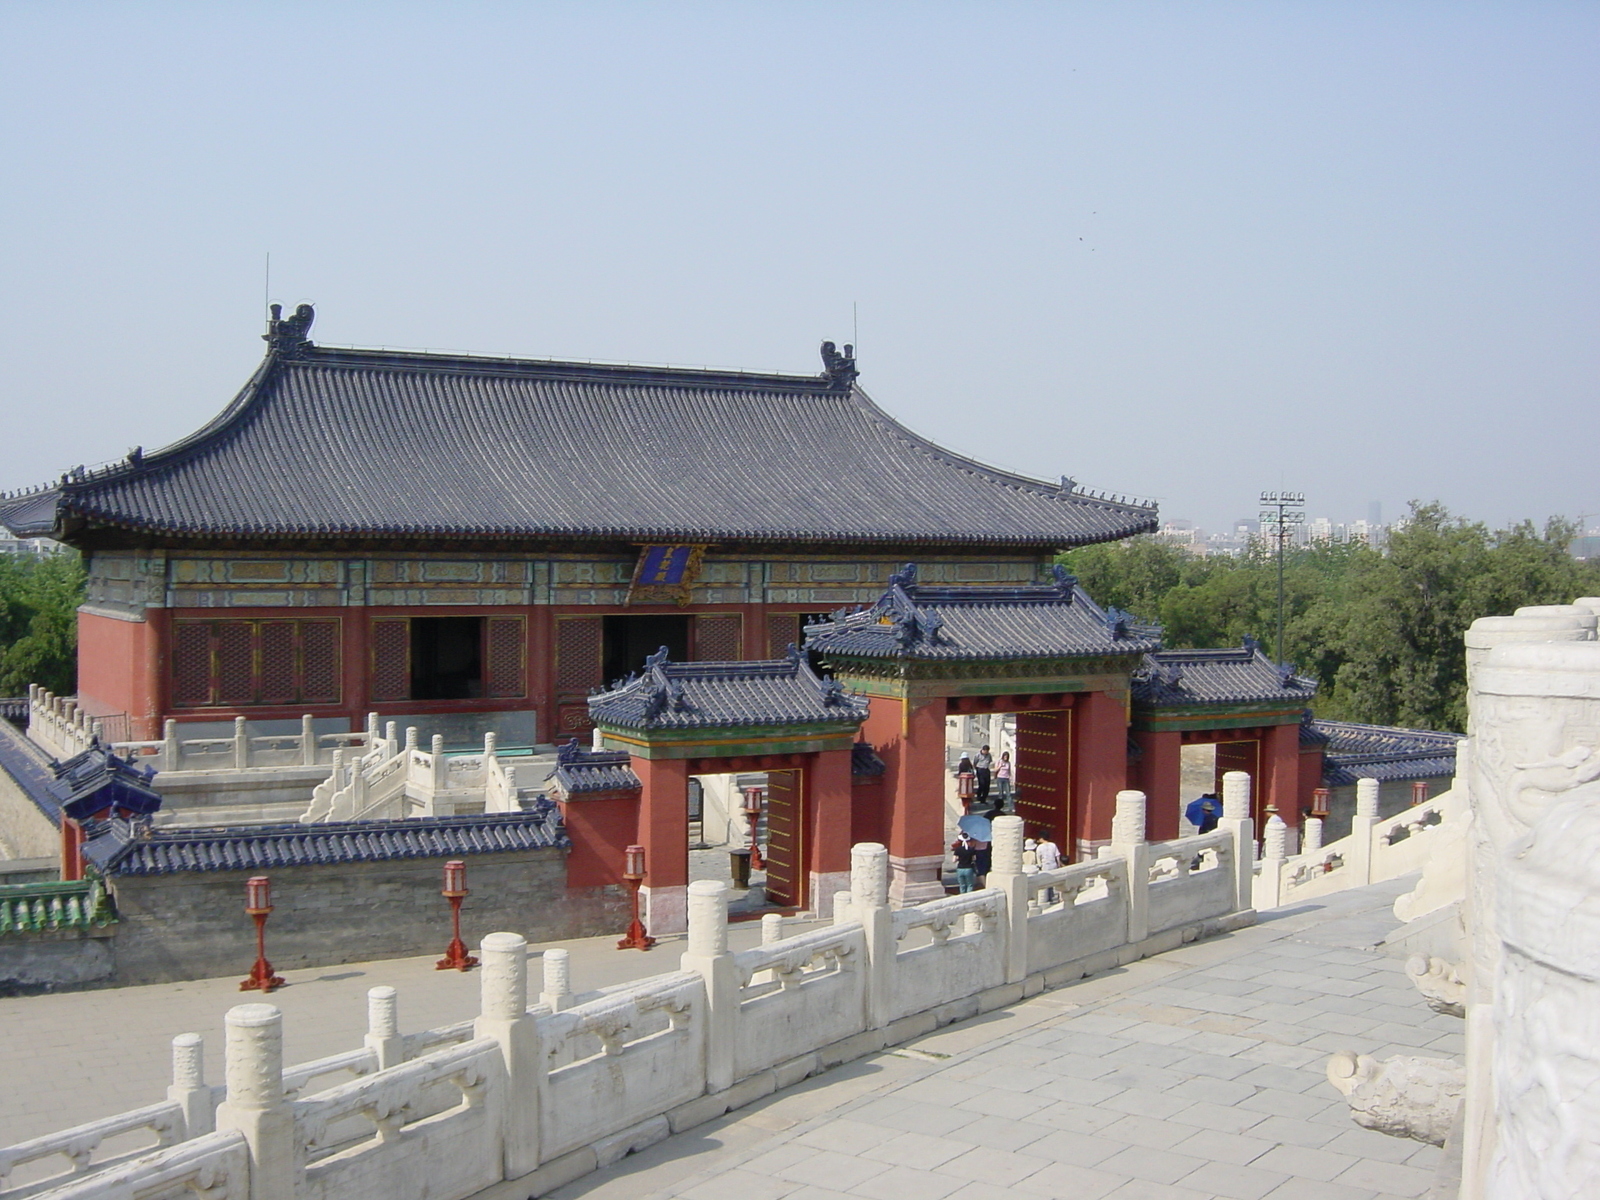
(289, 335)
(839, 369)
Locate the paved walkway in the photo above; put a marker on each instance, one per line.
(1195, 1074)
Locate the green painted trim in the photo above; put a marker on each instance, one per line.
(726, 743)
(1210, 716)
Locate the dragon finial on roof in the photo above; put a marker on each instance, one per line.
(839, 369)
(286, 335)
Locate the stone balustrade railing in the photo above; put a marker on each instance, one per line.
(541, 1093)
(1377, 848)
(59, 727)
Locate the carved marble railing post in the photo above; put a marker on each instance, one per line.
(241, 743)
(437, 747)
(869, 904)
(1362, 825)
(1006, 874)
(255, 1105)
(556, 994)
(188, 1087)
(841, 909)
(708, 957)
(383, 1027)
(503, 971)
(171, 751)
(1268, 891)
(1311, 837)
(1127, 843)
(1237, 821)
(308, 741)
(1533, 981)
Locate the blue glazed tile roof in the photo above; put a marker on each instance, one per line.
(580, 770)
(1234, 675)
(31, 775)
(1384, 752)
(723, 695)
(97, 779)
(379, 444)
(912, 621)
(120, 847)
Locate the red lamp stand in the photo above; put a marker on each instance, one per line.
(633, 876)
(455, 957)
(258, 904)
(752, 812)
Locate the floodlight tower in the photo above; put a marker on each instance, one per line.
(1286, 510)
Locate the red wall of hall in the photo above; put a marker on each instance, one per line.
(910, 820)
(119, 669)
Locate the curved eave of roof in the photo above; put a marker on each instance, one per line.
(112, 497)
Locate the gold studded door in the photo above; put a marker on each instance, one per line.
(1043, 774)
(784, 851)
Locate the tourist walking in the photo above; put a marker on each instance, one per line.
(1048, 855)
(966, 855)
(984, 766)
(1002, 780)
(966, 783)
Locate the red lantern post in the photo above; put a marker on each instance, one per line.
(1419, 792)
(455, 957)
(258, 903)
(633, 875)
(1319, 802)
(752, 813)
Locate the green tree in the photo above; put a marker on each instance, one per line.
(39, 598)
(1380, 631)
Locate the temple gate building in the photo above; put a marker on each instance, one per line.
(481, 545)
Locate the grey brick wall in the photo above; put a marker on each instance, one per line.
(193, 925)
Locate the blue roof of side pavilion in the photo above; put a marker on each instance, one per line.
(718, 695)
(377, 444)
(1231, 675)
(913, 621)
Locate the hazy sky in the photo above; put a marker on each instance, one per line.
(1185, 251)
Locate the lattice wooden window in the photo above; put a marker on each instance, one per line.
(238, 663)
(234, 654)
(783, 631)
(391, 659)
(504, 657)
(716, 637)
(191, 663)
(319, 662)
(578, 654)
(279, 663)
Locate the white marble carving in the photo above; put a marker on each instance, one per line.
(1440, 984)
(1403, 1096)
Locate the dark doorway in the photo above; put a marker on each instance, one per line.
(630, 640)
(446, 658)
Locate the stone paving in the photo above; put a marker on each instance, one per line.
(1195, 1074)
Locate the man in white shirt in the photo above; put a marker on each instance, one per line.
(1048, 856)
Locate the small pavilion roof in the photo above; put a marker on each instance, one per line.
(119, 847)
(1054, 620)
(580, 770)
(96, 779)
(710, 695)
(378, 444)
(1384, 752)
(1232, 675)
